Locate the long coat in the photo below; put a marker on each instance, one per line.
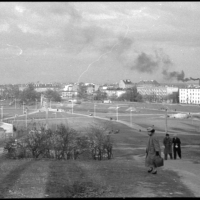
(176, 141)
(168, 145)
(152, 146)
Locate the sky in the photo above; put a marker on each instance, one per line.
(99, 42)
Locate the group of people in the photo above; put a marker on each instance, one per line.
(153, 149)
(168, 143)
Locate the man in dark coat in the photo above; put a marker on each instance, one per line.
(176, 146)
(153, 149)
(167, 141)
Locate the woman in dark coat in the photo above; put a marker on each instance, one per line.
(152, 150)
(167, 141)
(176, 146)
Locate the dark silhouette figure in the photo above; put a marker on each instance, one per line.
(176, 146)
(167, 141)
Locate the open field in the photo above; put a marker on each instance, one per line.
(122, 176)
(144, 114)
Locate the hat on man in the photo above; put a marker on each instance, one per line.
(167, 134)
(150, 129)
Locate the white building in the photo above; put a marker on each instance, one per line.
(68, 87)
(189, 95)
(114, 92)
(158, 91)
(152, 90)
(170, 90)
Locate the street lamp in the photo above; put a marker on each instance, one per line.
(23, 107)
(47, 112)
(166, 120)
(131, 116)
(117, 112)
(1, 113)
(15, 103)
(26, 116)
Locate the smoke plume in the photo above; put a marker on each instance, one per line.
(194, 79)
(145, 63)
(175, 75)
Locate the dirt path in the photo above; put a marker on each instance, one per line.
(189, 172)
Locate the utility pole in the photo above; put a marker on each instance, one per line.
(15, 103)
(131, 116)
(166, 120)
(117, 112)
(47, 113)
(2, 113)
(26, 117)
(23, 107)
(94, 108)
(72, 106)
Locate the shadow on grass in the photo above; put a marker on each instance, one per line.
(57, 183)
(10, 180)
(66, 180)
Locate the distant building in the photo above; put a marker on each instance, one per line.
(90, 89)
(69, 91)
(124, 84)
(170, 90)
(189, 95)
(114, 92)
(152, 90)
(145, 83)
(158, 91)
(22, 86)
(42, 87)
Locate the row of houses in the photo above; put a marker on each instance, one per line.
(143, 87)
(190, 94)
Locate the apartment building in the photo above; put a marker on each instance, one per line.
(152, 90)
(69, 91)
(189, 95)
(157, 91)
(124, 84)
(114, 92)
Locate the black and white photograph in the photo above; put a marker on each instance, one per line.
(99, 99)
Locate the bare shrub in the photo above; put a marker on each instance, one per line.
(63, 142)
(36, 142)
(100, 141)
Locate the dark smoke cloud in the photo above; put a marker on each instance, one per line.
(194, 79)
(175, 75)
(148, 64)
(167, 63)
(145, 63)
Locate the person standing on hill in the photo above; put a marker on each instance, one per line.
(167, 141)
(152, 150)
(176, 146)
